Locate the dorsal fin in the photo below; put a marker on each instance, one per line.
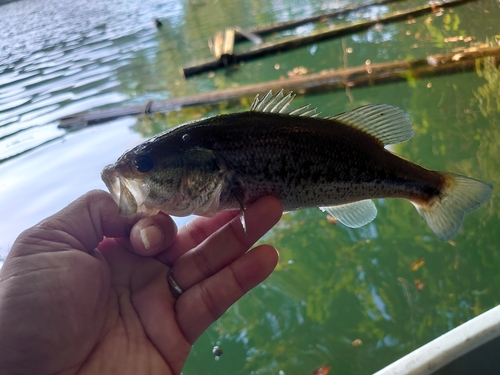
(280, 103)
(390, 125)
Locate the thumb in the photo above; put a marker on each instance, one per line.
(81, 225)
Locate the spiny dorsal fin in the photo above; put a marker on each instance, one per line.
(280, 103)
(390, 125)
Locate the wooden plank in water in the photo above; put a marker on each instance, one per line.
(216, 44)
(281, 26)
(294, 42)
(330, 80)
(228, 42)
(222, 45)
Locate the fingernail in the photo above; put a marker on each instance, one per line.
(151, 236)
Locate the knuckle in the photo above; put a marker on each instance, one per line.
(203, 263)
(208, 299)
(196, 232)
(236, 281)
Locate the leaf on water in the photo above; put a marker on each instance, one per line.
(458, 39)
(419, 284)
(331, 220)
(417, 264)
(321, 370)
(297, 71)
(357, 343)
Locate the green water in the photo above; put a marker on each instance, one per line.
(333, 284)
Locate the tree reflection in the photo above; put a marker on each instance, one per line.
(334, 285)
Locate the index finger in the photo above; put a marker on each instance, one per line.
(199, 229)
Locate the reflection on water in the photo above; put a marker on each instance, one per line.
(62, 58)
(51, 169)
(340, 297)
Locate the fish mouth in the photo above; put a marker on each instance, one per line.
(119, 191)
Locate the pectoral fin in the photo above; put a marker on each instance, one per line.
(353, 215)
(239, 195)
(238, 191)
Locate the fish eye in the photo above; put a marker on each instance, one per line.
(144, 163)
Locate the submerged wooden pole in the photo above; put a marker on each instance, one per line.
(294, 42)
(253, 34)
(327, 80)
(281, 26)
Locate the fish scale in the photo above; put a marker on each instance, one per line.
(316, 159)
(338, 163)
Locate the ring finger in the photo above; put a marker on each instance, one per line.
(227, 244)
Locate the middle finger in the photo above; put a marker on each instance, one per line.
(227, 244)
(193, 233)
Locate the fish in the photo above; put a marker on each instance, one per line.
(338, 163)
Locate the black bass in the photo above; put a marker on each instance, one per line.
(337, 163)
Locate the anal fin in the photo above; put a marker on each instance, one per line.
(353, 215)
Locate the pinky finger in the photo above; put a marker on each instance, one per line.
(205, 302)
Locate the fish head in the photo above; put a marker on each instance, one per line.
(144, 181)
(177, 181)
(121, 193)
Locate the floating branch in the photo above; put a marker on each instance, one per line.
(281, 26)
(222, 44)
(294, 42)
(324, 81)
(247, 34)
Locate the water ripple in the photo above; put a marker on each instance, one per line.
(52, 114)
(51, 67)
(29, 139)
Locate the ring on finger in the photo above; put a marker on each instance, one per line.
(175, 289)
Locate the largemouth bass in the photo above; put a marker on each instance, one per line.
(337, 163)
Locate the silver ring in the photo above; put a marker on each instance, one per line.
(175, 289)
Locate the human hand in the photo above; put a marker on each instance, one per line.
(80, 295)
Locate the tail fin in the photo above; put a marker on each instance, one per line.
(463, 194)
